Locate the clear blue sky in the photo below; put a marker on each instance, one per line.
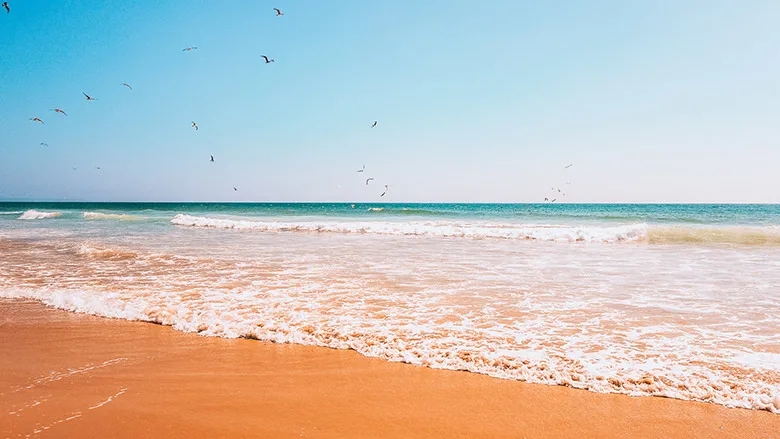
(652, 101)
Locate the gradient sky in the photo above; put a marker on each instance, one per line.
(652, 101)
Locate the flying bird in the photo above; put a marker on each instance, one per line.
(546, 199)
(187, 49)
(278, 12)
(363, 170)
(57, 110)
(89, 98)
(368, 180)
(7, 9)
(212, 159)
(387, 188)
(553, 200)
(127, 85)
(234, 189)
(267, 61)
(373, 124)
(194, 125)
(44, 144)
(569, 166)
(35, 119)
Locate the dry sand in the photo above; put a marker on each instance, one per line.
(72, 375)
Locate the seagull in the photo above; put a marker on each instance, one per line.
(369, 179)
(57, 110)
(553, 200)
(194, 125)
(89, 98)
(569, 166)
(127, 85)
(97, 167)
(44, 144)
(212, 159)
(267, 61)
(35, 119)
(387, 188)
(278, 12)
(373, 124)
(363, 170)
(546, 199)
(7, 9)
(234, 189)
(187, 49)
(559, 190)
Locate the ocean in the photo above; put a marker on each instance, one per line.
(681, 301)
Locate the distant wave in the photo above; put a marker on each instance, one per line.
(108, 216)
(34, 214)
(11, 213)
(632, 232)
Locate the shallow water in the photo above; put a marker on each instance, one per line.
(679, 301)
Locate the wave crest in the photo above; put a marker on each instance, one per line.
(34, 214)
(108, 216)
(627, 233)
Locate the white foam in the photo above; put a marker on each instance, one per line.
(34, 214)
(11, 213)
(108, 216)
(632, 232)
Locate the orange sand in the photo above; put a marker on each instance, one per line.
(57, 368)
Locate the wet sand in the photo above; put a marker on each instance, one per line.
(71, 375)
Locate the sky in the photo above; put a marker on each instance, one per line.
(489, 101)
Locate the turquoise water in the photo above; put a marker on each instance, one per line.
(716, 214)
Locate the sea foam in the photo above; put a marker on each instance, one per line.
(564, 233)
(34, 214)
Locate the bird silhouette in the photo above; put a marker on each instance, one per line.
(387, 188)
(267, 60)
(362, 170)
(194, 125)
(7, 9)
(35, 119)
(278, 12)
(127, 85)
(368, 180)
(373, 124)
(44, 144)
(187, 49)
(89, 98)
(212, 159)
(57, 110)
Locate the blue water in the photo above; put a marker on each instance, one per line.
(552, 213)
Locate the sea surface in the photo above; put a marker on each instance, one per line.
(681, 301)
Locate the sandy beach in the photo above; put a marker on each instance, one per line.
(75, 375)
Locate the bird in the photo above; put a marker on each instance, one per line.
(194, 125)
(387, 188)
(127, 85)
(97, 167)
(57, 110)
(569, 166)
(74, 168)
(7, 9)
(44, 144)
(89, 98)
(278, 12)
(187, 49)
(212, 159)
(362, 170)
(546, 199)
(373, 124)
(559, 190)
(267, 61)
(234, 189)
(35, 119)
(368, 180)
(553, 200)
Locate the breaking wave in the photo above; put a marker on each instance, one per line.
(108, 216)
(632, 232)
(34, 214)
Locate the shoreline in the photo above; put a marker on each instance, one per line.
(67, 374)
